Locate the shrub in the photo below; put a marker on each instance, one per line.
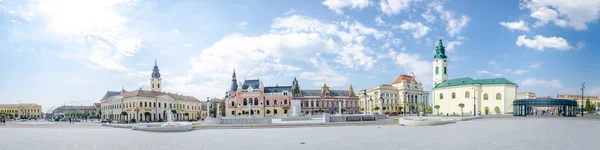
(486, 110)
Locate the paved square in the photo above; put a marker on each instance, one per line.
(490, 133)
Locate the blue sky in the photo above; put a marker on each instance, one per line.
(70, 52)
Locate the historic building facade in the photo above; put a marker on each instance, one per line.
(493, 96)
(594, 100)
(75, 111)
(252, 98)
(23, 110)
(153, 105)
(324, 100)
(404, 95)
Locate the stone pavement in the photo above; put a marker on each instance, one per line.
(495, 133)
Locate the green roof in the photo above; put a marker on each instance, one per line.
(469, 81)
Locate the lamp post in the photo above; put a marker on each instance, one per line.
(365, 101)
(381, 103)
(582, 101)
(474, 104)
(404, 110)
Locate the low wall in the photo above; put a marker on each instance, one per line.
(128, 126)
(409, 121)
(295, 118)
(261, 120)
(359, 117)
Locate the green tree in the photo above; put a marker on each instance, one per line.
(437, 108)
(384, 108)
(93, 114)
(376, 108)
(461, 105)
(186, 115)
(497, 110)
(588, 106)
(268, 111)
(362, 109)
(146, 116)
(486, 110)
(124, 114)
(343, 110)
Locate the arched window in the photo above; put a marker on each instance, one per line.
(141, 104)
(245, 102)
(445, 70)
(158, 85)
(275, 110)
(255, 101)
(285, 102)
(165, 105)
(275, 102)
(498, 96)
(232, 104)
(485, 96)
(268, 103)
(437, 70)
(441, 96)
(467, 94)
(258, 112)
(145, 104)
(453, 95)
(285, 111)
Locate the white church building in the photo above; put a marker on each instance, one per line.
(485, 96)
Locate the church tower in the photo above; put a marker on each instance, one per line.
(156, 81)
(440, 64)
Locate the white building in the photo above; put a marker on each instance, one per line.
(526, 95)
(495, 95)
(405, 94)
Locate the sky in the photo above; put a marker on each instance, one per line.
(70, 52)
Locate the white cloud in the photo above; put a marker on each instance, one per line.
(575, 14)
(188, 45)
(98, 28)
(371, 77)
(540, 43)
(485, 72)
(453, 25)
(520, 25)
(581, 45)
(451, 46)
(542, 83)
(593, 90)
(242, 25)
(392, 7)
(337, 5)
(428, 16)
(520, 71)
(493, 63)
(411, 63)
(379, 21)
(325, 74)
(417, 29)
(535, 65)
(290, 11)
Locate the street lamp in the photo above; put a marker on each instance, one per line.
(381, 103)
(365, 101)
(474, 106)
(405, 96)
(582, 87)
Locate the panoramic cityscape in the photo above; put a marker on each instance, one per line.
(316, 74)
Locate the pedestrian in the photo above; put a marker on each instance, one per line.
(70, 122)
(3, 120)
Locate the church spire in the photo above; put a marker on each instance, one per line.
(234, 84)
(440, 51)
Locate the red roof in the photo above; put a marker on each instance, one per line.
(152, 94)
(406, 78)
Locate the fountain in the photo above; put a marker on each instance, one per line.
(169, 126)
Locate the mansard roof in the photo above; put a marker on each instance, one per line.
(278, 89)
(153, 94)
(254, 83)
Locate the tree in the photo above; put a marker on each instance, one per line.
(124, 114)
(437, 108)
(174, 112)
(461, 105)
(93, 114)
(588, 106)
(376, 108)
(99, 113)
(486, 110)
(343, 110)
(384, 108)
(497, 110)
(362, 109)
(186, 115)
(268, 111)
(146, 115)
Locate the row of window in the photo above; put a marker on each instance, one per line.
(257, 112)
(437, 70)
(9, 111)
(326, 103)
(468, 95)
(268, 102)
(150, 104)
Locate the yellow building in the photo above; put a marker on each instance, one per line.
(594, 100)
(405, 94)
(144, 105)
(24, 110)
